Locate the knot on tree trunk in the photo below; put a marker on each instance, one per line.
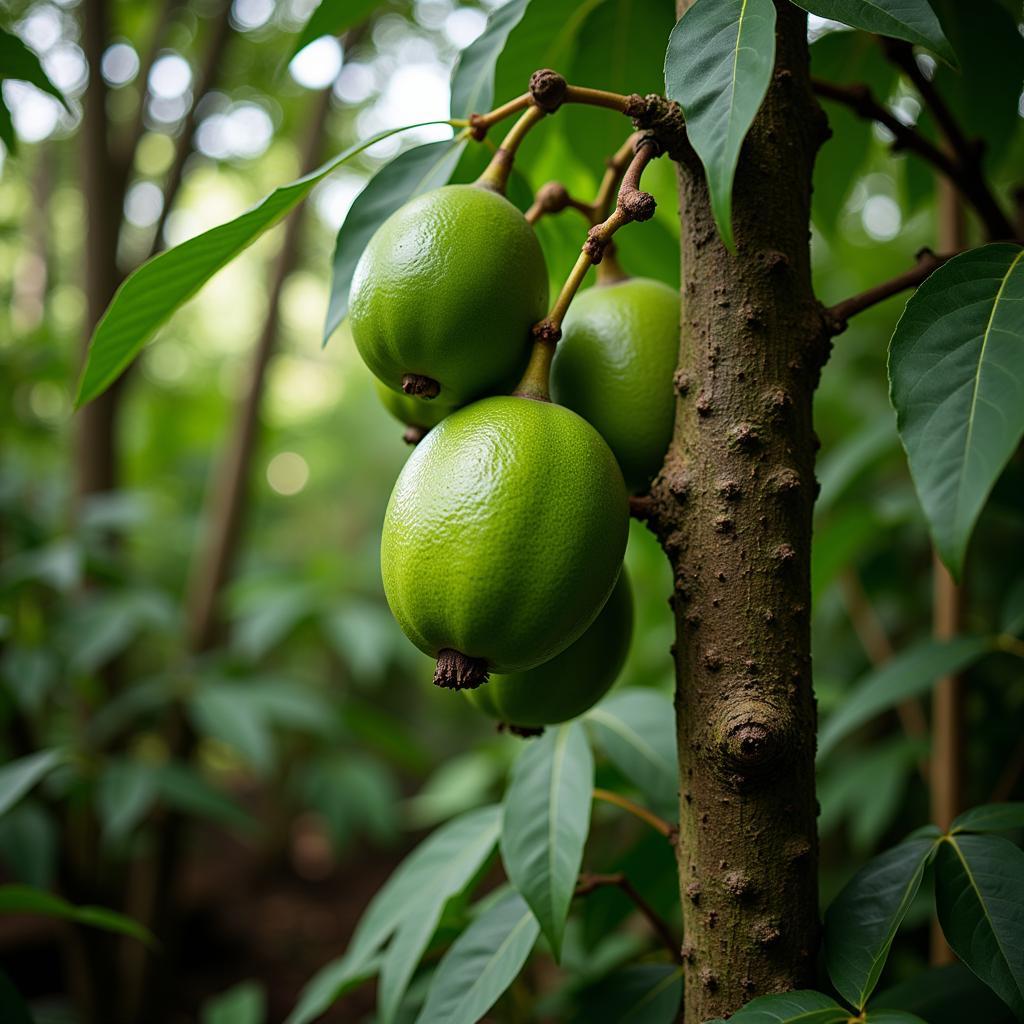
(752, 739)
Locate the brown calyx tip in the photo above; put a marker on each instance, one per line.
(636, 205)
(546, 330)
(547, 88)
(524, 732)
(457, 671)
(413, 435)
(420, 387)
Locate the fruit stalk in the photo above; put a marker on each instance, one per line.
(496, 173)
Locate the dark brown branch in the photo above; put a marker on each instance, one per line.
(970, 178)
(837, 316)
(589, 883)
(862, 102)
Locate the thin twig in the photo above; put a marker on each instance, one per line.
(589, 883)
(656, 822)
(839, 315)
(496, 173)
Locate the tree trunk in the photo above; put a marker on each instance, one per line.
(733, 508)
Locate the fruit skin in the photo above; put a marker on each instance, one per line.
(570, 683)
(614, 366)
(448, 288)
(504, 534)
(412, 411)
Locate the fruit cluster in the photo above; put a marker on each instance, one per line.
(504, 537)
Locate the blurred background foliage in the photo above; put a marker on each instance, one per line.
(321, 749)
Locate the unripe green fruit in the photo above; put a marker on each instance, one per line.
(614, 366)
(503, 537)
(447, 291)
(570, 683)
(412, 411)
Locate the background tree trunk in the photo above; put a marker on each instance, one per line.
(733, 508)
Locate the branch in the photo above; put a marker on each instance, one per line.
(589, 883)
(656, 822)
(837, 316)
(862, 102)
(970, 177)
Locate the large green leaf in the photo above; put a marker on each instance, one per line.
(979, 895)
(635, 729)
(410, 174)
(909, 674)
(481, 963)
(985, 92)
(862, 921)
(911, 20)
(473, 76)
(945, 995)
(638, 994)
(447, 860)
(990, 818)
(18, 777)
(23, 899)
(718, 66)
(152, 293)
(804, 1006)
(331, 18)
(885, 1016)
(18, 61)
(956, 372)
(613, 51)
(126, 790)
(546, 821)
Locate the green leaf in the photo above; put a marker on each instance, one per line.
(862, 921)
(444, 862)
(911, 20)
(718, 66)
(331, 18)
(945, 995)
(18, 777)
(225, 712)
(245, 1003)
(635, 729)
(638, 994)
(473, 75)
(909, 674)
(546, 821)
(153, 292)
(481, 963)
(956, 372)
(990, 818)
(184, 788)
(125, 792)
(410, 174)
(985, 92)
(979, 896)
(22, 899)
(805, 1006)
(18, 61)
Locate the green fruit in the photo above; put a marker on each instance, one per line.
(570, 683)
(503, 537)
(412, 411)
(447, 291)
(614, 366)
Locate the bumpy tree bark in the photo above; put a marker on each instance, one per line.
(733, 507)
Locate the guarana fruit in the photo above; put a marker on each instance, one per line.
(570, 683)
(503, 537)
(614, 366)
(445, 293)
